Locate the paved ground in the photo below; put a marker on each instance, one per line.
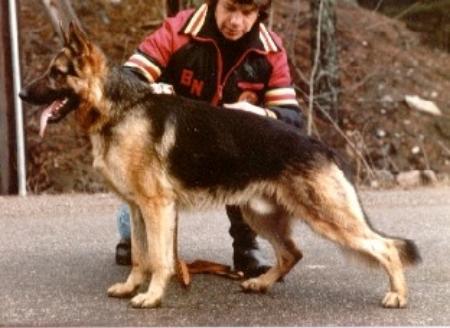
(56, 262)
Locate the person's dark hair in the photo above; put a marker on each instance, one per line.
(262, 5)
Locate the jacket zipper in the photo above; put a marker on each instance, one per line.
(219, 89)
(240, 60)
(221, 83)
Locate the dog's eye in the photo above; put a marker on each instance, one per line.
(71, 69)
(55, 72)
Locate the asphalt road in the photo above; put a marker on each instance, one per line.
(57, 261)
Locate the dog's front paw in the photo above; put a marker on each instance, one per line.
(121, 290)
(254, 285)
(394, 300)
(145, 300)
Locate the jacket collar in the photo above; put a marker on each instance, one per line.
(198, 25)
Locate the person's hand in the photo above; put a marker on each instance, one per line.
(162, 88)
(246, 106)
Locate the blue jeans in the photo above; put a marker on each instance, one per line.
(123, 222)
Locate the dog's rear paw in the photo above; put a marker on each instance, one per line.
(254, 285)
(145, 300)
(394, 300)
(121, 290)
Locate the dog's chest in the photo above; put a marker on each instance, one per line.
(108, 166)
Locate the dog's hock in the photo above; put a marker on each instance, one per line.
(261, 206)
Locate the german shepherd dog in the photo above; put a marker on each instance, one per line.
(162, 153)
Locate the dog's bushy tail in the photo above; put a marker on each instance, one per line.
(408, 251)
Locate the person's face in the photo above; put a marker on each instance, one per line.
(233, 19)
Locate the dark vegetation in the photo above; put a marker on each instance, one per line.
(381, 61)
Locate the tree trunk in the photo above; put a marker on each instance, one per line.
(326, 81)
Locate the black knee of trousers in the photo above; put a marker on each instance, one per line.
(242, 234)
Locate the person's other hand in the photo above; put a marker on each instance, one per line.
(246, 106)
(162, 88)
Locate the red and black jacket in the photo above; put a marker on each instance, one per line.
(185, 53)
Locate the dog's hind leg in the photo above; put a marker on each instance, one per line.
(271, 222)
(373, 247)
(139, 270)
(160, 223)
(330, 205)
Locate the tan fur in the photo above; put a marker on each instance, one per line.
(136, 168)
(324, 199)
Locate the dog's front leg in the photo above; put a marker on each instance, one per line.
(139, 268)
(160, 223)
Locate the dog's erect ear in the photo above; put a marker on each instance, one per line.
(77, 40)
(64, 34)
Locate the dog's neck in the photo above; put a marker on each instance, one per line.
(121, 90)
(123, 87)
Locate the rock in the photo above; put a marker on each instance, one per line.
(429, 177)
(409, 179)
(381, 133)
(383, 178)
(416, 178)
(427, 106)
(384, 175)
(387, 99)
(415, 150)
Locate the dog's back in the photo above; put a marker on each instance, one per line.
(216, 147)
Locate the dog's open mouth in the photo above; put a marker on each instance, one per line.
(57, 110)
(50, 113)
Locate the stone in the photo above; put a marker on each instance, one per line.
(415, 178)
(426, 106)
(381, 133)
(409, 179)
(429, 177)
(415, 150)
(384, 175)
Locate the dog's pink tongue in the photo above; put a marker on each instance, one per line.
(46, 114)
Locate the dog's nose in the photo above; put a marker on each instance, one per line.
(23, 94)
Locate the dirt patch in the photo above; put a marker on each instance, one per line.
(381, 61)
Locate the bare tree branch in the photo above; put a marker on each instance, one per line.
(314, 70)
(326, 78)
(61, 13)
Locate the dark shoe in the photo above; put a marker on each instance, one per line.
(123, 252)
(247, 256)
(250, 261)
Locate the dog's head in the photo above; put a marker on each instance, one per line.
(73, 81)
